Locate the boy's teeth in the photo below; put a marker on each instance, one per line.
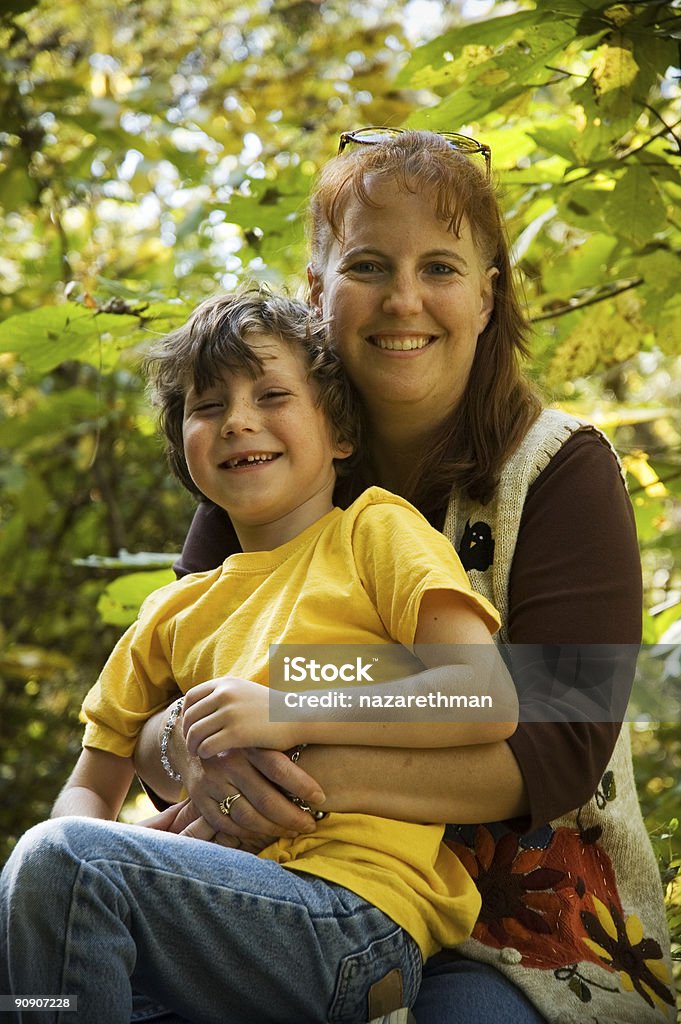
(264, 457)
(401, 344)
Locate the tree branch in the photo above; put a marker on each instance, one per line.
(666, 130)
(641, 488)
(607, 291)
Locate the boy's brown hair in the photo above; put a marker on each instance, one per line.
(215, 339)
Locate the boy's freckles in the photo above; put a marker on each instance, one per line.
(260, 446)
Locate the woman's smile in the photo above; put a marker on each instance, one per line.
(401, 343)
(407, 300)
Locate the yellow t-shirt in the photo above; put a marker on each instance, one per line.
(354, 577)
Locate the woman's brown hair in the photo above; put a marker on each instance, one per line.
(499, 404)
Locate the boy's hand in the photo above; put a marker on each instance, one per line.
(230, 712)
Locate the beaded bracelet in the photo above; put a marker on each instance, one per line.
(175, 712)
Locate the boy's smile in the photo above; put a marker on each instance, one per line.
(260, 446)
(246, 460)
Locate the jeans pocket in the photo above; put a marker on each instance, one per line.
(360, 970)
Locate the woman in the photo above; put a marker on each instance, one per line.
(410, 265)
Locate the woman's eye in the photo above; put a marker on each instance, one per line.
(364, 267)
(441, 269)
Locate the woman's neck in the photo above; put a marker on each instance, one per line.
(396, 451)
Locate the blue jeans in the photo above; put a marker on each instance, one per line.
(459, 991)
(96, 909)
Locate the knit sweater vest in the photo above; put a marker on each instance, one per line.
(573, 913)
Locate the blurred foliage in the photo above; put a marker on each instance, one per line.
(154, 152)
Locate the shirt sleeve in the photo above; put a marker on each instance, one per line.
(399, 557)
(575, 579)
(136, 681)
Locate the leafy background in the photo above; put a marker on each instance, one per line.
(155, 152)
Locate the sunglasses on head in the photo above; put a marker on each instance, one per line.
(373, 136)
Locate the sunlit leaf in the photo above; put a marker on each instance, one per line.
(46, 337)
(121, 600)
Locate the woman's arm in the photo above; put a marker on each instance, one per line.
(466, 785)
(96, 787)
(575, 579)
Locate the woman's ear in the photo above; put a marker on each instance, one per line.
(314, 280)
(487, 296)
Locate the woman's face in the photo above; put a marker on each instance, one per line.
(407, 301)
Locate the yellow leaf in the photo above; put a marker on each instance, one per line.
(627, 983)
(598, 950)
(637, 464)
(653, 995)
(634, 930)
(658, 968)
(615, 66)
(495, 76)
(605, 918)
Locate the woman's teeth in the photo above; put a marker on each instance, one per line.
(401, 344)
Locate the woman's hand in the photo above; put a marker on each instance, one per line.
(229, 712)
(258, 774)
(183, 819)
(262, 809)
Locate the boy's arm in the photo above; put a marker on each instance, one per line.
(455, 645)
(96, 787)
(451, 639)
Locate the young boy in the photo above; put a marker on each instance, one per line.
(258, 414)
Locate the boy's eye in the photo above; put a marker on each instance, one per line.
(206, 406)
(275, 393)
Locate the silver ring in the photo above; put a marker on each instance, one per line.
(226, 804)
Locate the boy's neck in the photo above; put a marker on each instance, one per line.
(269, 536)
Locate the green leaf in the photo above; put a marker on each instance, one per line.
(75, 410)
(634, 210)
(16, 188)
(268, 207)
(516, 65)
(583, 266)
(44, 338)
(653, 55)
(556, 139)
(430, 65)
(120, 602)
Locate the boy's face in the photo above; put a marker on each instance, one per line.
(261, 448)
